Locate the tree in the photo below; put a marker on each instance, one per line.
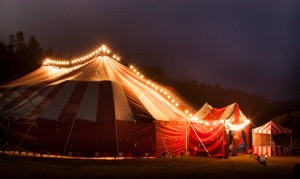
(35, 52)
(33, 44)
(20, 43)
(12, 43)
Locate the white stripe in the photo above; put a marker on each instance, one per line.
(88, 106)
(60, 100)
(204, 111)
(122, 108)
(229, 112)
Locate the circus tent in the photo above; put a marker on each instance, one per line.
(93, 104)
(219, 128)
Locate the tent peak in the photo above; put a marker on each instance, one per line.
(103, 50)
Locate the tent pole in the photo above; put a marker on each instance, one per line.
(186, 137)
(71, 129)
(27, 132)
(224, 140)
(270, 143)
(291, 138)
(165, 146)
(199, 138)
(117, 141)
(163, 139)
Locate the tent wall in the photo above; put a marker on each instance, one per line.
(136, 138)
(212, 137)
(82, 137)
(18, 133)
(171, 137)
(87, 138)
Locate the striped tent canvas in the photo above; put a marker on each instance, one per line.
(271, 128)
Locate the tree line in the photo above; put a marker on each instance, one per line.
(19, 56)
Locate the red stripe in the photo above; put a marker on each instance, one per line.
(106, 109)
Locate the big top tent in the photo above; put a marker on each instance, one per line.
(93, 104)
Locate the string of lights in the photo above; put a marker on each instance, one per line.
(67, 63)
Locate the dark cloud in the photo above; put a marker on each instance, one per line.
(248, 45)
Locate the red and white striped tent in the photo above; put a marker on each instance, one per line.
(271, 128)
(93, 104)
(217, 123)
(262, 139)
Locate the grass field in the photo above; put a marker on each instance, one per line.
(243, 166)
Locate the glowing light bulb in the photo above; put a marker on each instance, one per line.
(104, 47)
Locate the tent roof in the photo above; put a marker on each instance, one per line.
(231, 115)
(50, 89)
(271, 128)
(231, 112)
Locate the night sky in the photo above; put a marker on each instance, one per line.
(252, 45)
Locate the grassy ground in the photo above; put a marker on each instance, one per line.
(186, 167)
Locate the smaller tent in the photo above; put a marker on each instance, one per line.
(218, 128)
(271, 139)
